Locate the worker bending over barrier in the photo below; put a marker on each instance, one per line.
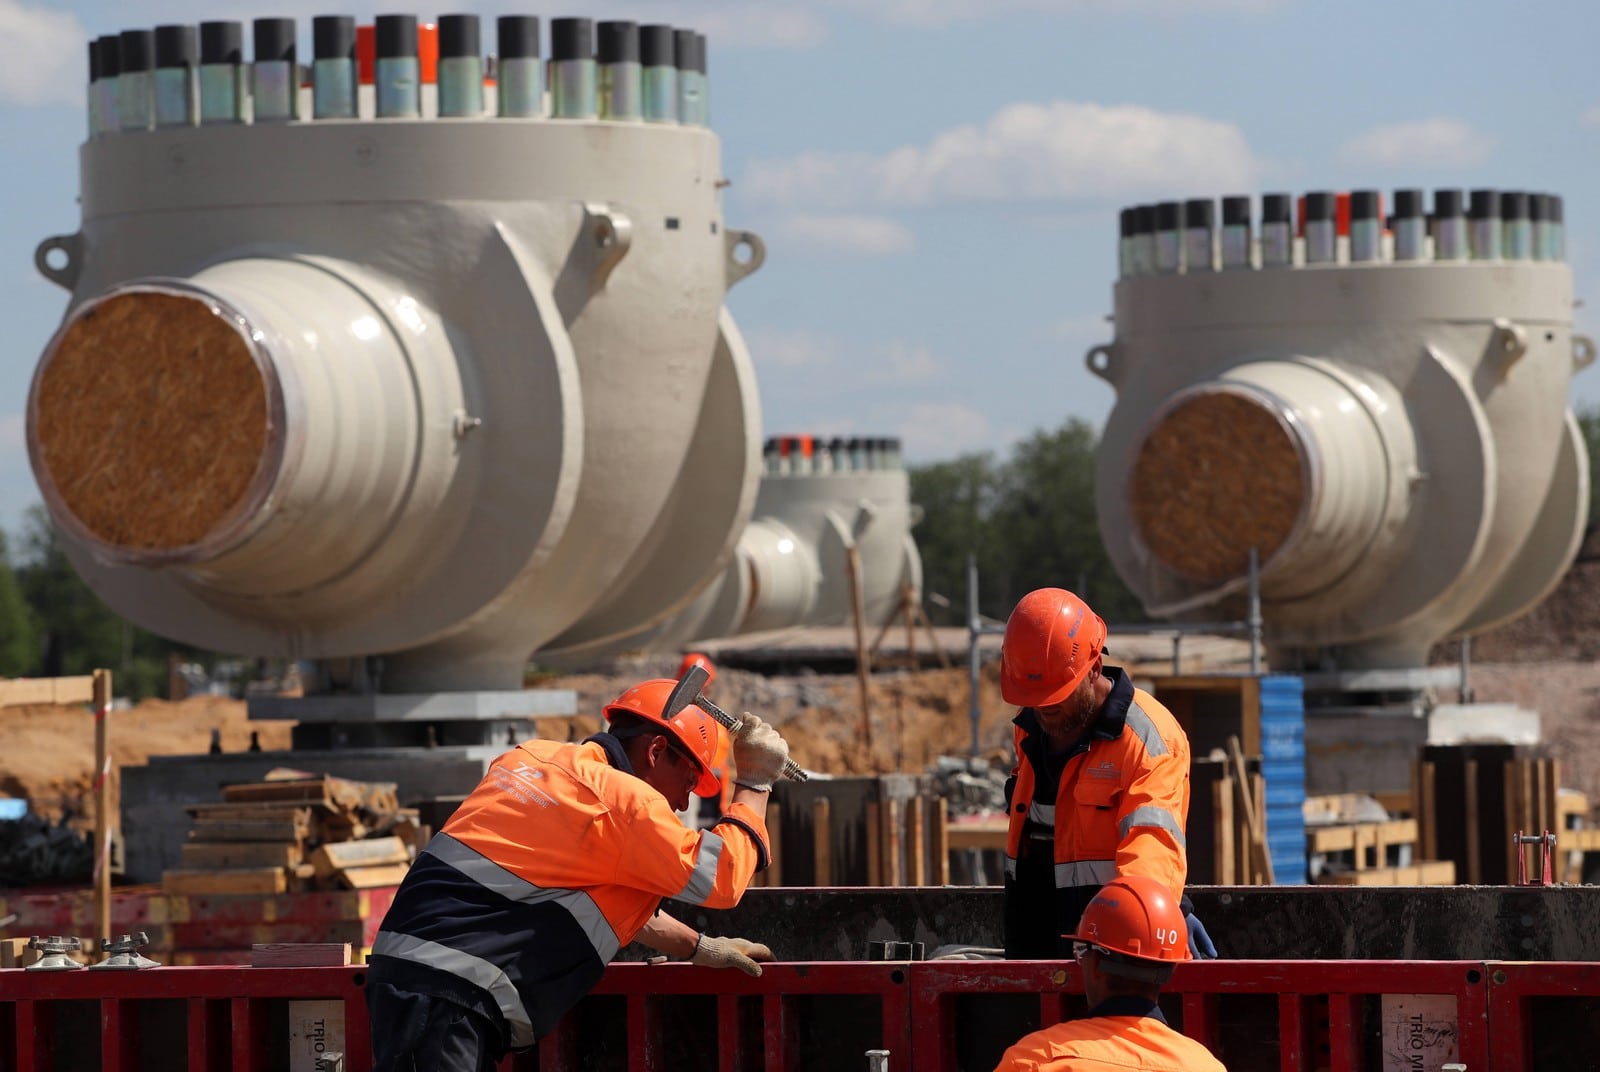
(558, 859)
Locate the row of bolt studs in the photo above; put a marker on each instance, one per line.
(1334, 228)
(813, 455)
(182, 75)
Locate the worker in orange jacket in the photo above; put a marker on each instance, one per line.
(558, 859)
(1101, 786)
(1130, 937)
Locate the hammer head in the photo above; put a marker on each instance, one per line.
(687, 691)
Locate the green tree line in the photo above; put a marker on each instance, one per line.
(1030, 520)
(52, 624)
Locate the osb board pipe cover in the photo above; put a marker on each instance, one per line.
(1216, 476)
(149, 422)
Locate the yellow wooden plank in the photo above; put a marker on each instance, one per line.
(252, 880)
(978, 833)
(46, 690)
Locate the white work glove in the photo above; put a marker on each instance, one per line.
(730, 953)
(759, 753)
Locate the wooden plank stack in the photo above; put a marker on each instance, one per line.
(292, 834)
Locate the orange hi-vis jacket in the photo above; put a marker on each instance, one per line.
(1121, 1033)
(552, 865)
(1119, 807)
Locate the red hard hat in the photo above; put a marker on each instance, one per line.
(1137, 917)
(1052, 639)
(694, 658)
(698, 733)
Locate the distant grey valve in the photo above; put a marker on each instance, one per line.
(1410, 226)
(136, 85)
(1483, 227)
(1277, 231)
(1450, 241)
(274, 70)
(333, 67)
(1321, 227)
(1169, 237)
(222, 82)
(177, 55)
(520, 89)
(573, 78)
(398, 69)
(620, 87)
(460, 75)
(1236, 237)
(1199, 218)
(658, 59)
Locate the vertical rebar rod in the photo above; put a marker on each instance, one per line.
(973, 636)
(1255, 612)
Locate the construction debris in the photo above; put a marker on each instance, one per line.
(34, 851)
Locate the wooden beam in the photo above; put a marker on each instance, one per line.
(916, 843)
(299, 954)
(101, 694)
(252, 880)
(941, 841)
(1223, 872)
(822, 841)
(1469, 776)
(874, 843)
(893, 874)
(47, 690)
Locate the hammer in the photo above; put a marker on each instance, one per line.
(689, 690)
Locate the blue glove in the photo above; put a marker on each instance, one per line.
(1200, 947)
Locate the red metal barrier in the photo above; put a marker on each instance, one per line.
(202, 1019)
(937, 1016)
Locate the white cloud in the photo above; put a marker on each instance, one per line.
(1591, 116)
(871, 236)
(12, 426)
(935, 13)
(910, 362)
(1058, 150)
(936, 429)
(789, 349)
(1433, 143)
(46, 56)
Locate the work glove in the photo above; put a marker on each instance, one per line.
(1200, 947)
(759, 753)
(731, 952)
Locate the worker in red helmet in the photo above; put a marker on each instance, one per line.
(693, 659)
(1131, 935)
(558, 859)
(1101, 786)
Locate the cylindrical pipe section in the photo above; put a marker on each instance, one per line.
(333, 67)
(275, 454)
(1539, 223)
(573, 93)
(274, 71)
(1410, 226)
(1366, 226)
(1169, 237)
(621, 87)
(460, 67)
(1125, 222)
(1321, 227)
(1516, 226)
(177, 55)
(109, 84)
(784, 575)
(1236, 237)
(1277, 231)
(1279, 457)
(658, 57)
(1144, 239)
(1199, 223)
(96, 113)
(691, 78)
(1483, 225)
(398, 70)
(1558, 228)
(222, 83)
(1450, 241)
(519, 70)
(136, 84)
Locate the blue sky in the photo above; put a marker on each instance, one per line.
(937, 180)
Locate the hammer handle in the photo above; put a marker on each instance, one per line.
(791, 769)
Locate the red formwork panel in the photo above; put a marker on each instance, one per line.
(1318, 1013)
(224, 1011)
(1520, 1040)
(772, 1024)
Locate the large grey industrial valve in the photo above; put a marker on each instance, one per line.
(1377, 410)
(446, 384)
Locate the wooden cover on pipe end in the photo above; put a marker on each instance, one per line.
(150, 420)
(1218, 475)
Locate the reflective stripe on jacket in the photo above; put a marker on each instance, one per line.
(555, 862)
(1122, 801)
(1110, 1040)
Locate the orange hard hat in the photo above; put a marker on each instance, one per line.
(1052, 639)
(694, 658)
(696, 732)
(1135, 916)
